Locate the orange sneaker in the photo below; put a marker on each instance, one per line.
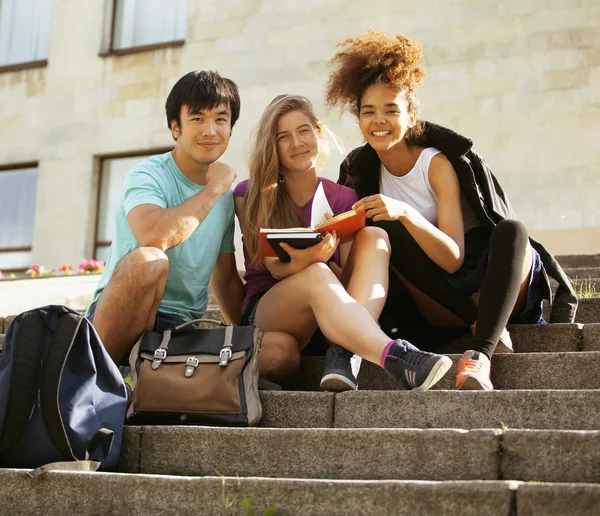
(504, 345)
(473, 372)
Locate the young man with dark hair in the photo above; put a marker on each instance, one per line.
(175, 224)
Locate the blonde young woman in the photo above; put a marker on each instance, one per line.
(343, 299)
(452, 230)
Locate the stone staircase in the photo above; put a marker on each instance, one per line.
(532, 447)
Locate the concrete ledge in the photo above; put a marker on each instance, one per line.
(588, 310)
(573, 410)
(591, 337)
(573, 370)
(285, 409)
(558, 499)
(529, 338)
(551, 456)
(321, 453)
(129, 460)
(568, 261)
(66, 494)
(583, 273)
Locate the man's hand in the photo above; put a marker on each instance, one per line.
(320, 252)
(220, 177)
(380, 207)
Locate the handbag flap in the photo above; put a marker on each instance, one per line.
(206, 341)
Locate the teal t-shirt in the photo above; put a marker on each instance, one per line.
(157, 180)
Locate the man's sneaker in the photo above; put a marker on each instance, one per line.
(504, 345)
(473, 372)
(340, 371)
(416, 369)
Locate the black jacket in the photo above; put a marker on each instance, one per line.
(360, 170)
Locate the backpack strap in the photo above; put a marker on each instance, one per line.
(27, 346)
(62, 342)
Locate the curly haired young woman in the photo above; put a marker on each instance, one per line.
(455, 244)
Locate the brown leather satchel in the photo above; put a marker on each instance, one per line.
(196, 376)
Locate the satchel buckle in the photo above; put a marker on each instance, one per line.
(191, 363)
(225, 356)
(159, 355)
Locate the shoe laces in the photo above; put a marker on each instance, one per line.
(471, 365)
(414, 357)
(342, 359)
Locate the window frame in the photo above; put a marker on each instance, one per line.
(100, 159)
(111, 51)
(11, 167)
(25, 65)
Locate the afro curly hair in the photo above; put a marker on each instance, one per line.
(374, 58)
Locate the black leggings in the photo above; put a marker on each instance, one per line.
(501, 283)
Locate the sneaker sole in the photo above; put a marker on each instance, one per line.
(436, 374)
(337, 383)
(473, 384)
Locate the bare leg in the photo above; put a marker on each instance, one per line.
(315, 296)
(279, 356)
(129, 303)
(365, 273)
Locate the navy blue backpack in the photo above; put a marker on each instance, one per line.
(62, 398)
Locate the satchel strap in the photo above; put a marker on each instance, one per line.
(227, 345)
(161, 352)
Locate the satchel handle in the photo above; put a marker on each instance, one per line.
(212, 321)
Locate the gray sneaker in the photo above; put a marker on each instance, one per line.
(340, 371)
(415, 369)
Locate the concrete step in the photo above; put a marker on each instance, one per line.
(583, 273)
(526, 338)
(366, 454)
(578, 260)
(584, 287)
(68, 493)
(574, 370)
(588, 310)
(551, 409)
(531, 409)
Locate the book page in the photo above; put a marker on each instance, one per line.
(320, 207)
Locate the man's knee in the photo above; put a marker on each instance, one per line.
(280, 356)
(147, 262)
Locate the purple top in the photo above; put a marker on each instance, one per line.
(340, 198)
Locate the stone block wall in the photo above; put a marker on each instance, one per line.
(520, 77)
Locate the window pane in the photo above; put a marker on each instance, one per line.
(17, 207)
(146, 22)
(15, 260)
(24, 30)
(113, 173)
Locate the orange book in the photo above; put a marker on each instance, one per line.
(346, 225)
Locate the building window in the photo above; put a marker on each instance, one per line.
(112, 173)
(17, 213)
(143, 23)
(24, 31)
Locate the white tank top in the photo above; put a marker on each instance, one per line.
(415, 190)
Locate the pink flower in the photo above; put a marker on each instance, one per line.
(1, 275)
(91, 266)
(35, 270)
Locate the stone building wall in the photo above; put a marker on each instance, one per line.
(520, 77)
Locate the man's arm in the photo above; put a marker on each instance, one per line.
(228, 288)
(165, 228)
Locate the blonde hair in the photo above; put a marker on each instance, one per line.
(268, 203)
